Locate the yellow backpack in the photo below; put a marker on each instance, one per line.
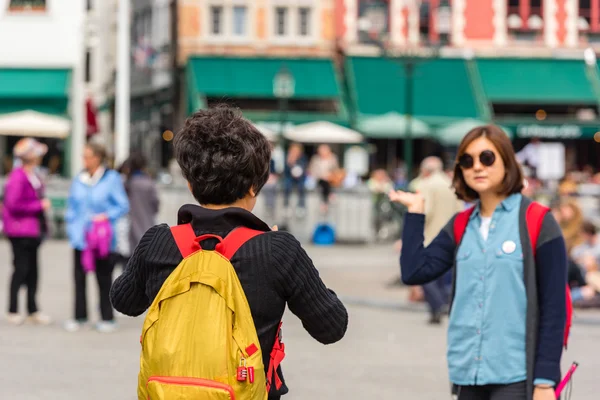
(199, 340)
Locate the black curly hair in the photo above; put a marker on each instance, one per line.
(222, 155)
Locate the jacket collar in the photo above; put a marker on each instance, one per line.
(92, 180)
(507, 204)
(223, 220)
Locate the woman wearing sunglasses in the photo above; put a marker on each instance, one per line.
(508, 313)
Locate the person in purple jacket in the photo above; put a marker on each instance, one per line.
(25, 226)
(508, 313)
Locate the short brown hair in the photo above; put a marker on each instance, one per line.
(98, 150)
(513, 179)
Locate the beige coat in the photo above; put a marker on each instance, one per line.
(440, 203)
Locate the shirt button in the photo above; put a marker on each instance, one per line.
(481, 278)
(478, 331)
(480, 305)
(483, 250)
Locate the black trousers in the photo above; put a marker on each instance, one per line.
(25, 260)
(325, 190)
(514, 391)
(104, 270)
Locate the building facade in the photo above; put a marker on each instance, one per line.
(99, 69)
(529, 65)
(42, 77)
(486, 25)
(236, 51)
(153, 78)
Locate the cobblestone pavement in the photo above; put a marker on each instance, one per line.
(388, 353)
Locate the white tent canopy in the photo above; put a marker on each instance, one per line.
(35, 124)
(452, 134)
(270, 134)
(392, 125)
(323, 132)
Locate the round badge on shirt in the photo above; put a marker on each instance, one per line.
(509, 247)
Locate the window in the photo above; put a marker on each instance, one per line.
(304, 21)
(589, 16)
(281, 21)
(27, 5)
(377, 14)
(88, 65)
(239, 20)
(216, 13)
(525, 15)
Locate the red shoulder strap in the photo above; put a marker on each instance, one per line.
(185, 238)
(460, 224)
(534, 217)
(276, 357)
(236, 238)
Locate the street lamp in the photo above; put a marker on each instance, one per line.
(283, 89)
(409, 58)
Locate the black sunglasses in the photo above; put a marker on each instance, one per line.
(486, 158)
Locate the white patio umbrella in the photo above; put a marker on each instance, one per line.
(268, 133)
(322, 132)
(392, 126)
(35, 124)
(452, 134)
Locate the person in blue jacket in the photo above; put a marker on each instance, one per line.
(508, 313)
(96, 194)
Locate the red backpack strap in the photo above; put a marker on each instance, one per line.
(460, 224)
(185, 238)
(535, 218)
(236, 238)
(277, 355)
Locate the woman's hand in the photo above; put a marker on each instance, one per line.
(544, 393)
(413, 201)
(100, 217)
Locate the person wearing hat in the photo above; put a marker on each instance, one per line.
(25, 226)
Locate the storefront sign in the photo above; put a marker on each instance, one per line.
(549, 131)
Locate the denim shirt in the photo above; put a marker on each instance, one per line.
(486, 334)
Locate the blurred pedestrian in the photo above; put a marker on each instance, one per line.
(270, 188)
(143, 199)
(323, 168)
(508, 312)
(294, 175)
(440, 205)
(25, 226)
(97, 197)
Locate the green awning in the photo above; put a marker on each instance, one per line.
(443, 88)
(251, 78)
(297, 117)
(558, 130)
(41, 90)
(537, 81)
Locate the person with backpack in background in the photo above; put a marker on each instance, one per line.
(217, 284)
(510, 300)
(97, 200)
